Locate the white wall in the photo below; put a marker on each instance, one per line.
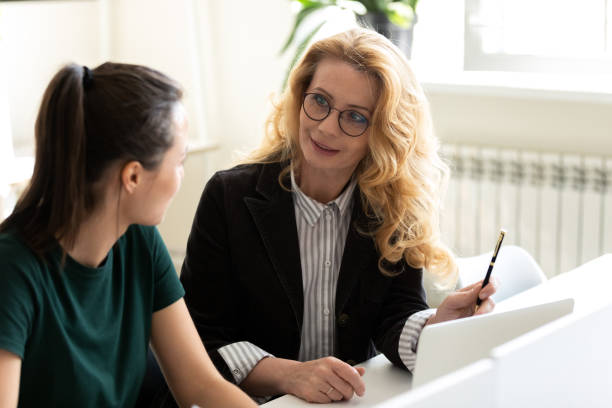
(38, 38)
(247, 36)
(242, 74)
(162, 34)
(532, 123)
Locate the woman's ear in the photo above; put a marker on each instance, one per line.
(131, 176)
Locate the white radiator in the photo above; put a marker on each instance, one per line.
(556, 206)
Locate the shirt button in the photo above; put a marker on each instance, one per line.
(343, 320)
(327, 263)
(326, 311)
(236, 371)
(328, 216)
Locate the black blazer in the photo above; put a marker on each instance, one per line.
(243, 280)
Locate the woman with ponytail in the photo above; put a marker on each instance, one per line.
(311, 253)
(85, 279)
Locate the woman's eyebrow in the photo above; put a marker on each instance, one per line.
(359, 107)
(324, 91)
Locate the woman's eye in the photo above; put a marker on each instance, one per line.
(320, 100)
(357, 117)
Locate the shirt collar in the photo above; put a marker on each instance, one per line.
(311, 209)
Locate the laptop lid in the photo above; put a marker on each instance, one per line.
(447, 346)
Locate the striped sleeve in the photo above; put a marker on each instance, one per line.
(241, 357)
(409, 337)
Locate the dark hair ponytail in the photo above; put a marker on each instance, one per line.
(89, 119)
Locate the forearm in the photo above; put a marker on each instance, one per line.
(10, 373)
(188, 370)
(409, 336)
(240, 358)
(269, 377)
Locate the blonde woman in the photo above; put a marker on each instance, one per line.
(307, 259)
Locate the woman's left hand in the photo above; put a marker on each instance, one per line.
(462, 303)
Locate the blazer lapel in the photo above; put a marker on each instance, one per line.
(357, 254)
(274, 216)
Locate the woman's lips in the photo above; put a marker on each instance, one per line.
(321, 148)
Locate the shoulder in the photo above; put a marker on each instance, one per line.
(246, 173)
(14, 254)
(244, 179)
(20, 269)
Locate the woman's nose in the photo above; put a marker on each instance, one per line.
(331, 123)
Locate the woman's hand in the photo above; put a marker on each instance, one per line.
(463, 302)
(324, 380)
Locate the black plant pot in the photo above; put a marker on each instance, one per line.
(402, 37)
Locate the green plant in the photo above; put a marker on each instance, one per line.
(399, 12)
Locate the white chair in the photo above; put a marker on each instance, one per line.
(515, 270)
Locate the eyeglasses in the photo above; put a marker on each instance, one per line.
(317, 107)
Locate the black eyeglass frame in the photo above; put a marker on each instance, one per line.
(330, 108)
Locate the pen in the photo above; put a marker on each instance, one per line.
(502, 234)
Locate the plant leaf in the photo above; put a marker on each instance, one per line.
(381, 5)
(370, 5)
(400, 14)
(355, 6)
(308, 3)
(300, 50)
(413, 4)
(410, 3)
(299, 18)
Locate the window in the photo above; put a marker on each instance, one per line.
(547, 36)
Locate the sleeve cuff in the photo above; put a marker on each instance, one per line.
(241, 358)
(409, 337)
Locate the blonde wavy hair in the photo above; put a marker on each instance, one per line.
(401, 178)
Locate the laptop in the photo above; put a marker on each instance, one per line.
(447, 346)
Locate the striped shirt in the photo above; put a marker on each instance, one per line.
(322, 231)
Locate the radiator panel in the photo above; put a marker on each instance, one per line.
(556, 206)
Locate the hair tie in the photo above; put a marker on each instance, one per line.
(87, 77)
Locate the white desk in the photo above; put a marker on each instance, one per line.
(590, 286)
(382, 380)
(470, 386)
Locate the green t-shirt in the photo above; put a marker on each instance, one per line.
(82, 333)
